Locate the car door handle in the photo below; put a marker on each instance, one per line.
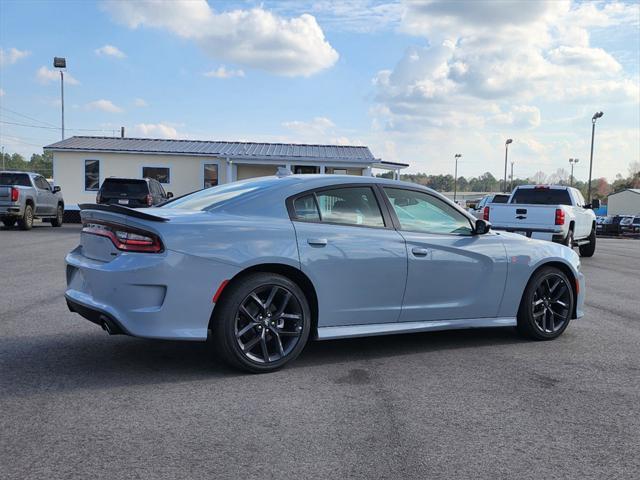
(317, 242)
(420, 252)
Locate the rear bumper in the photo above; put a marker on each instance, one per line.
(106, 321)
(10, 211)
(164, 296)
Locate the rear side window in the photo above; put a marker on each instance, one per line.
(17, 179)
(350, 206)
(306, 209)
(123, 185)
(500, 199)
(542, 196)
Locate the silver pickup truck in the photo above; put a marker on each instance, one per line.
(25, 196)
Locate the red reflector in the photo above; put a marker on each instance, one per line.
(577, 286)
(15, 194)
(485, 214)
(559, 216)
(219, 291)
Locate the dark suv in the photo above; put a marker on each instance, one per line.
(132, 192)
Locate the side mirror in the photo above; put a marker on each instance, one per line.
(595, 203)
(482, 227)
(169, 195)
(56, 189)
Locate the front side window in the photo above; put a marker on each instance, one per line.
(421, 212)
(42, 184)
(350, 206)
(91, 175)
(161, 174)
(210, 175)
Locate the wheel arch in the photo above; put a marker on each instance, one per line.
(292, 273)
(566, 269)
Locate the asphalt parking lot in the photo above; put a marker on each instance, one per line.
(76, 403)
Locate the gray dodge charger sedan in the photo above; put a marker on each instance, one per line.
(263, 265)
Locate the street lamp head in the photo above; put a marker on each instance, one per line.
(597, 115)
(59, 62)
(509, 140)
(458, 155)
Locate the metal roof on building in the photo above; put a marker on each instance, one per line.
(233, 150)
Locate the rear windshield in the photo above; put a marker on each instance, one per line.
(211, 197)
(500, 199)
(124, 185)
(20, 179)
(542, 196)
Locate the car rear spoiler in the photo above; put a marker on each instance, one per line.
(130, 212)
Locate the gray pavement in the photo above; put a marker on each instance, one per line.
(76, 403)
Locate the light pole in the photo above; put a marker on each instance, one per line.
(506, 153)
(595, 117)
(61, 63)
(573, 162)
(511, 183)
(455, 177)
(3, 157)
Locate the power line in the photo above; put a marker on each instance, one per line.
(55, 128)
(28, 117)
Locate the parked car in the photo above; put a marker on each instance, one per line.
(478, 210)
(608, 227)
(25, 196)
(262, 265)
(548, 212)
(626, 223)
(636, 224)
(132, 192)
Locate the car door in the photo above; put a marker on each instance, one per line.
(584, 217)
(355, 259)
(452, 273)
(45, 201)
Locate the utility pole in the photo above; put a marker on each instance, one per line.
(506, 154)
(3, 157)
(572, 162)
(455, 177)
(511, 184)
(61, 63)
(595, 117)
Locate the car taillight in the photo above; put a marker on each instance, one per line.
(149, 200)
(485, 214)
(126, 238)
(15, 194)
(559, 216)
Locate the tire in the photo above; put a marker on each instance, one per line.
(57, 221)
(9, 222)
(589, 249)
(26, 222)
(261, 323)
(546, 307)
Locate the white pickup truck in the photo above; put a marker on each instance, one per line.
(547, 212)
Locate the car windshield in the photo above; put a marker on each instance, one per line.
(542, 196)
(19, 179)
(124, 185)
(636, 221)
(211, 197)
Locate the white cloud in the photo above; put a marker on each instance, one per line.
(1, 92)
(140, 102)
(104, 105)
(155, 130)
(222, 72)
(110, 51)
(45, 76)
(12, 55)
(253, 38)
(319, 130)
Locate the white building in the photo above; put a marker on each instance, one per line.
(624, 202)
(80, 164)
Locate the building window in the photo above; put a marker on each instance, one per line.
(161, 174)
(91, 175)
(297, 169)
(210, 175)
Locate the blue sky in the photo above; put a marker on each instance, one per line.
(415, 81)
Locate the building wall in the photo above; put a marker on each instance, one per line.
(624, 203)
(251, 171)
(186, 171)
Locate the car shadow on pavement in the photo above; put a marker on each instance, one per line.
(55, 363)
